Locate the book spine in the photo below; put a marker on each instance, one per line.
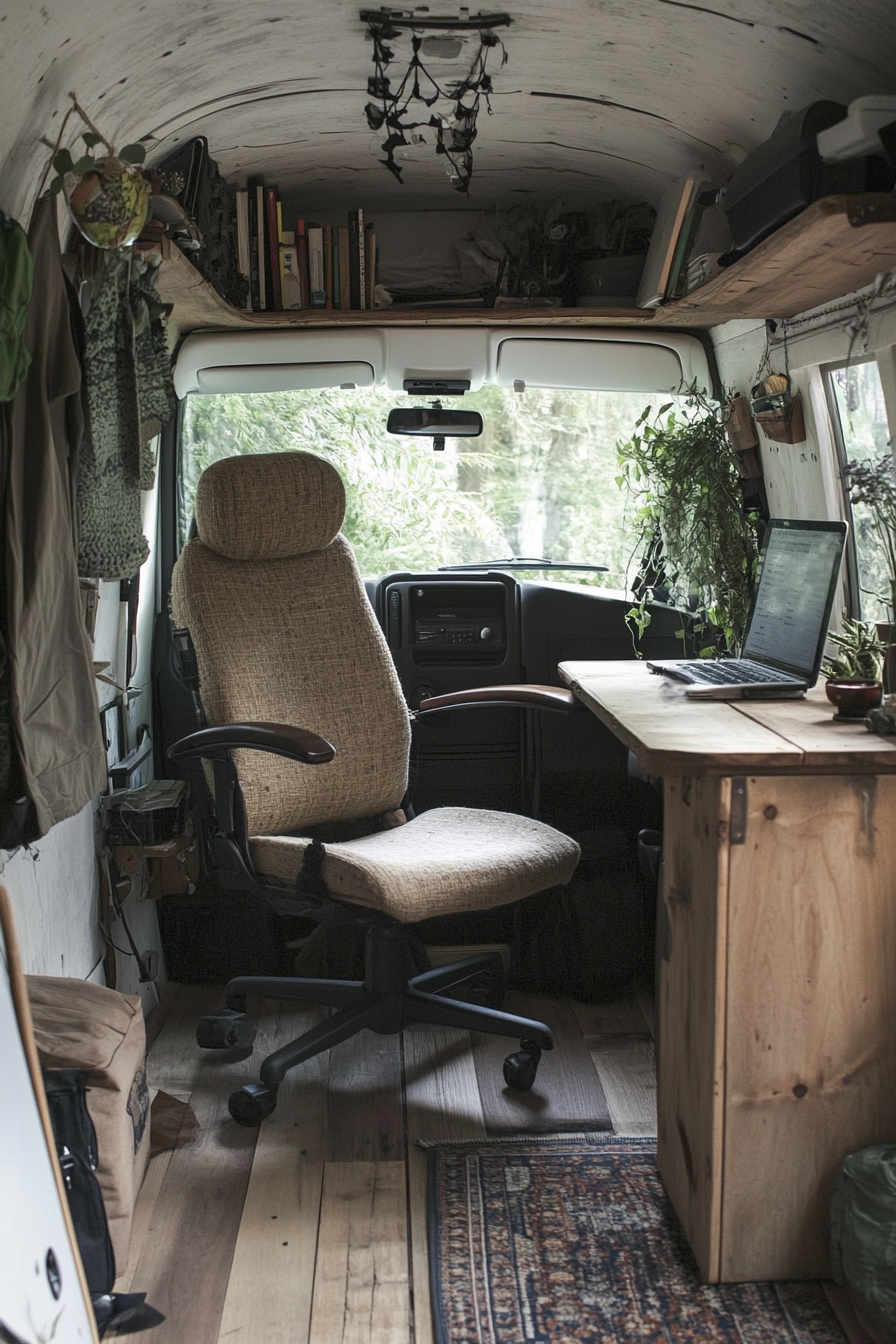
(252, 210)
(261, 234)
(355, 242)
(362, 261)
(273, 247)
(302, 246)
(370, 264)
(328, 264)
(292, 284)
(337, 278)
(244, 263)
(345, 296)
(316, 266)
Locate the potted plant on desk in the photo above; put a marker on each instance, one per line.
(853, 673)
(872, 493)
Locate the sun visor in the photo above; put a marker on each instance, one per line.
(278, 361)
(282, 377)
(603, 364)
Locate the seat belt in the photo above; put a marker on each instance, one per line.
(187, 669)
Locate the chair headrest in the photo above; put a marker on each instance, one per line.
(268, 506)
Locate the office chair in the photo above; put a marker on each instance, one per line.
(308, 737)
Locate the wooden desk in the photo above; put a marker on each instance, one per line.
(777, 983)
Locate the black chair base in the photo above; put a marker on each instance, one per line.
(385, 1001)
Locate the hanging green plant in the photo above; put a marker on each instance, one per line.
(107, 195)
(698, 542)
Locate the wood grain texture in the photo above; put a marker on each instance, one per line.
(567, 1094)
(829, 745)
(691, 1010)
(670, 734)
(366, 1120)
(818, 256)
(626, 1067)
(272, 1276)
(197, 1214)
(362, 1279)
(811, 1049)
(443, 1105)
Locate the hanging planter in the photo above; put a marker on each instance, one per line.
(778, 414)
(107, 196)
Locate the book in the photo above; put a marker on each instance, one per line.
(670, 219)
(272, 248)
(252, 209)
(244, 264)
(317, 283)
(370, 265)
(302, 249)
(345, 297)
(334, 253)
(291, 282)
(356, 257)
(260, 236)
(328, 265)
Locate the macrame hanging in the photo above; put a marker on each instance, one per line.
(403, 111)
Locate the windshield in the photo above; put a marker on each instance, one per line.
(542, 480)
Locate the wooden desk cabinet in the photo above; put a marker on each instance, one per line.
(777, 982)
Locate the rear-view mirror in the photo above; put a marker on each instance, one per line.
(434, 420)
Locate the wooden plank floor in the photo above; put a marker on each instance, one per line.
(312, 1229)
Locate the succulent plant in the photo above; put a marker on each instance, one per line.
(859, 654)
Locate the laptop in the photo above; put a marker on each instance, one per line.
(786, 631)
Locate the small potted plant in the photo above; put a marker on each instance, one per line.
(853, 672)
(108, 195)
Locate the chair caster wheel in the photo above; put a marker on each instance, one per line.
(252, 1104)
(225, 1030)
(521, 1067)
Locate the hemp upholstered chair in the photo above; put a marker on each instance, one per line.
(307, 730)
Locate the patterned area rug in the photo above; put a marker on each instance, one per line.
(573, 1241)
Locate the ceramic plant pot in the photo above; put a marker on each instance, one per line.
(853, 699)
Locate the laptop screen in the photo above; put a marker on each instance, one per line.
(797, 582)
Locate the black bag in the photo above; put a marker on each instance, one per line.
(76, 1149)
(75, 1137)
(191, 177)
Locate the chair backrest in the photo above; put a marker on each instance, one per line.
(284, 633)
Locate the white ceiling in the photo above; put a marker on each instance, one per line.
(650, 89)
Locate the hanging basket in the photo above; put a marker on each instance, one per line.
(778, 414)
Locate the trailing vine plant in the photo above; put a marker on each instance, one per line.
(699, 545)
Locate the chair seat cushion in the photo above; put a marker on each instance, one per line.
(444, 861)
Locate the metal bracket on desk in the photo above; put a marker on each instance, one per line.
(737, 829)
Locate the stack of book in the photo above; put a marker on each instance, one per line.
(310, 266)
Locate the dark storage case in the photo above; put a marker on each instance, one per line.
(786, 173)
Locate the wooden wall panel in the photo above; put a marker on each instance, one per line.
(811, 1038)
(690, 1008)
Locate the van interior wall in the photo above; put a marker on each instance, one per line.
(54, 883)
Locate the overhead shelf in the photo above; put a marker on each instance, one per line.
(835, 246)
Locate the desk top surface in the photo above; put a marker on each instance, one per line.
(672, 735)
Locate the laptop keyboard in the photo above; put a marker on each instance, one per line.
(735, 672)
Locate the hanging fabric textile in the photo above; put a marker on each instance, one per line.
(130, 397)
(16, 281)
(53, 707)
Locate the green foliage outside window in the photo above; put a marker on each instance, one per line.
(540, 481)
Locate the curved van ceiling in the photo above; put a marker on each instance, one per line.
(599, 99)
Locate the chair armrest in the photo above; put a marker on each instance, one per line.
(515, 697)
(298, 744)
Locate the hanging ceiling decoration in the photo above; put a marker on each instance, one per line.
(420, 102)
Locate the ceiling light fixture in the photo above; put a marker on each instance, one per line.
(451, 111)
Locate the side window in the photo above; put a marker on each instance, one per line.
(869, 485)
